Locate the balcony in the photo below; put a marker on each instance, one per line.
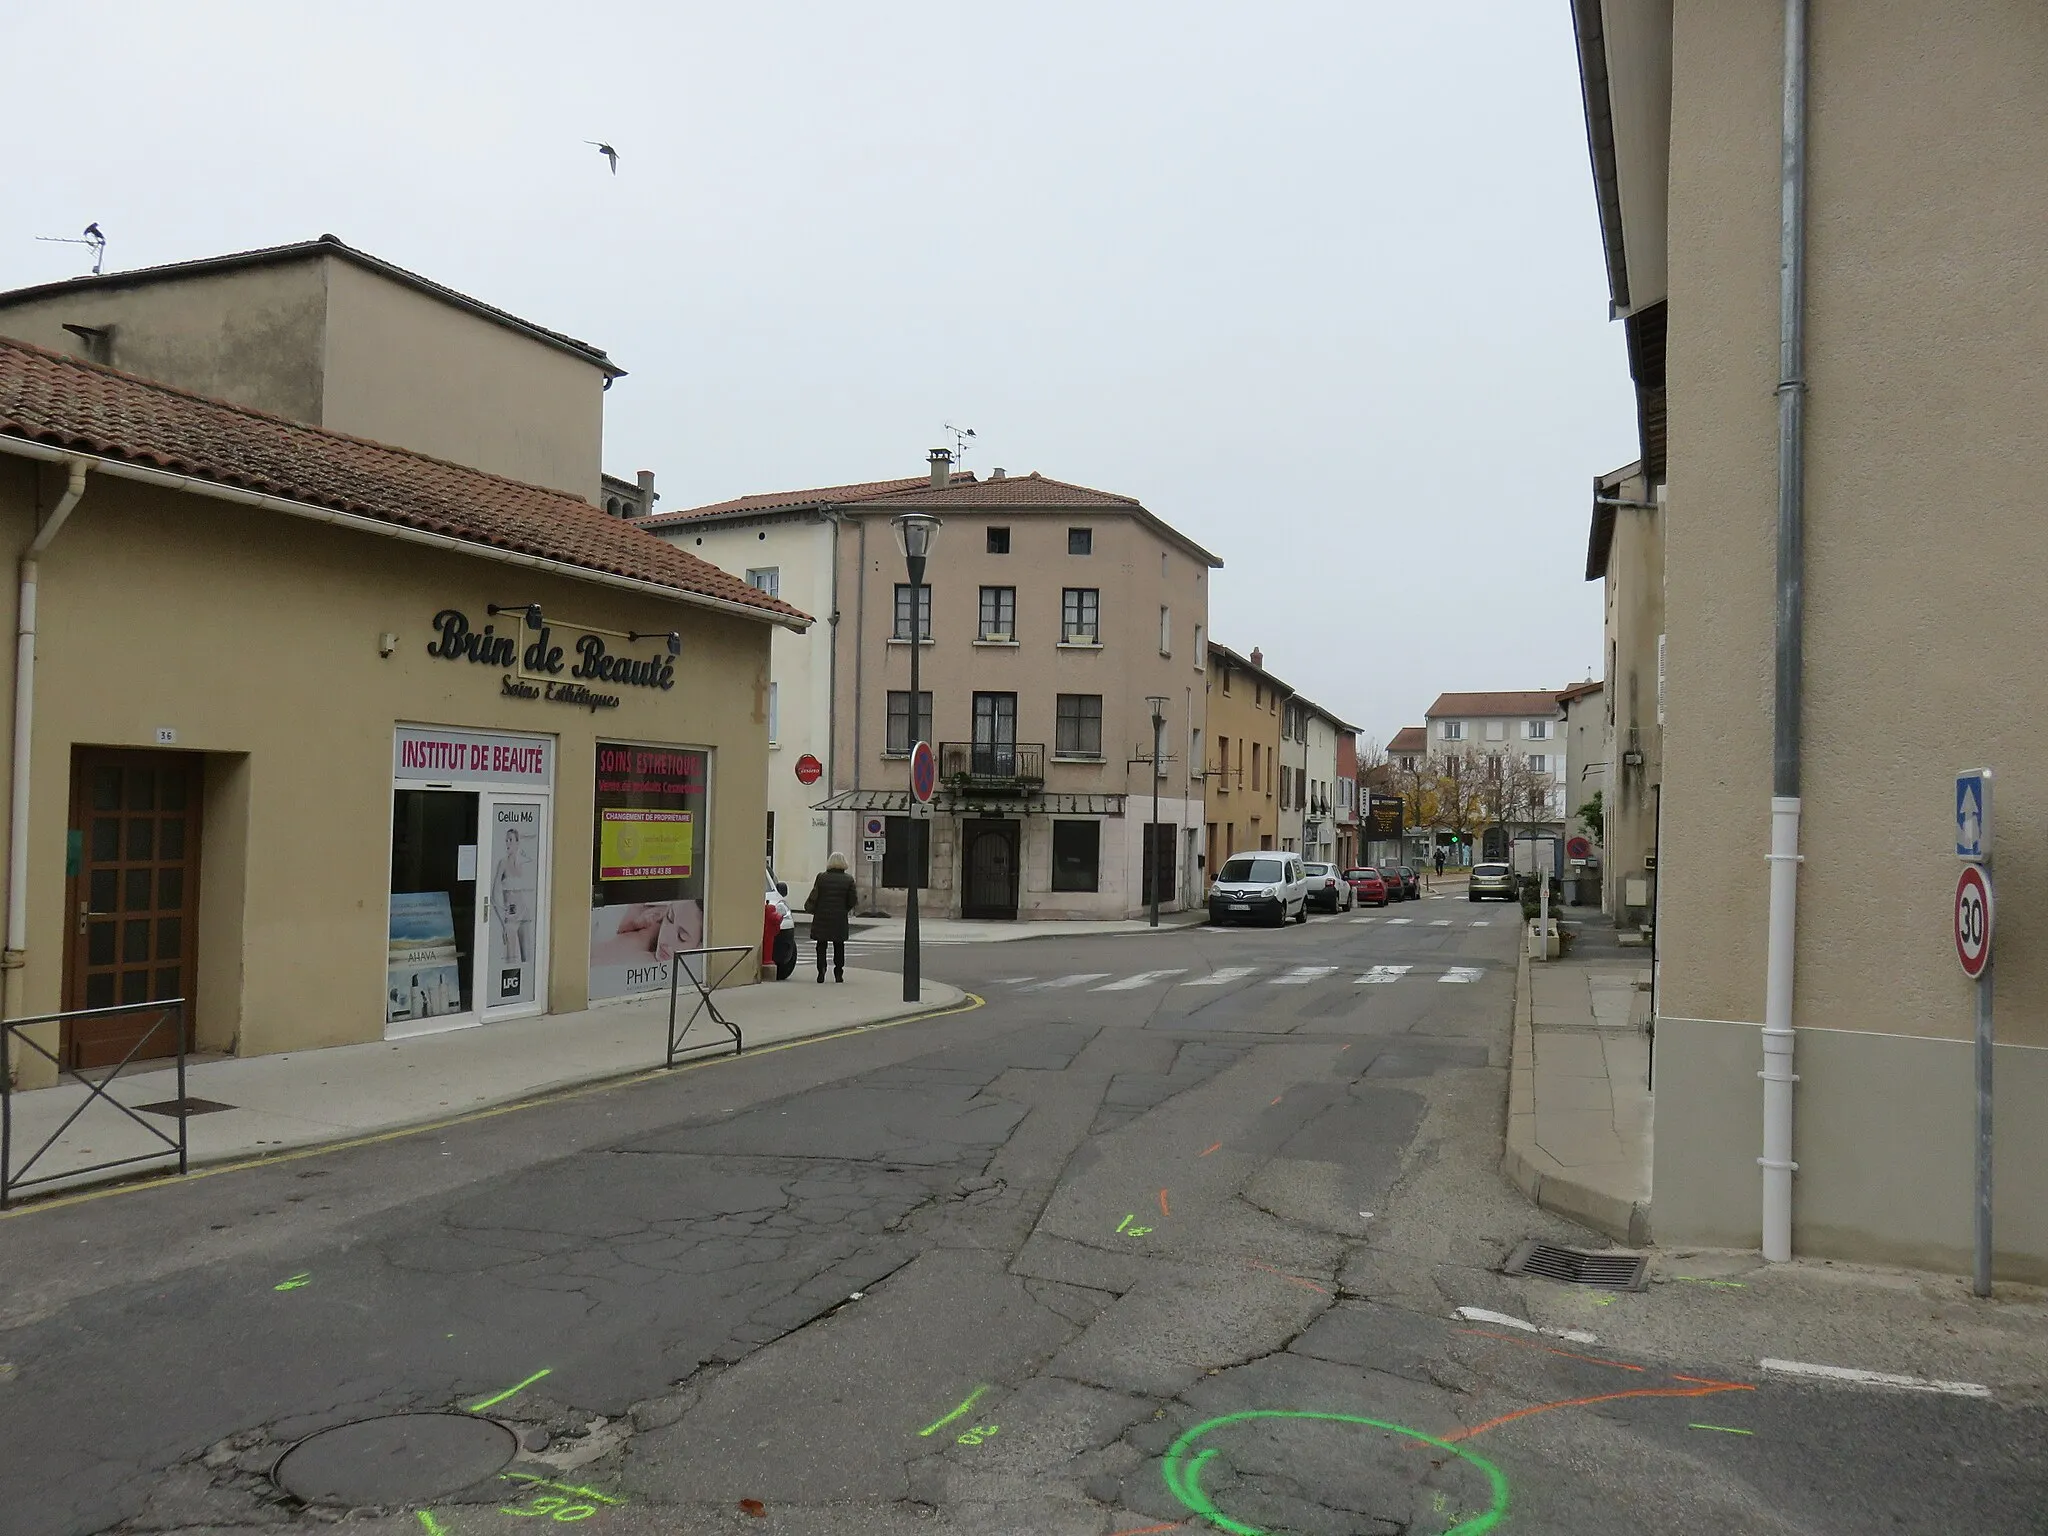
(992, 768)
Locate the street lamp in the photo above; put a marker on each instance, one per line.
(916, 532)
(1158, 705)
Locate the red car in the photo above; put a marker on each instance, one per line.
(1367, 885)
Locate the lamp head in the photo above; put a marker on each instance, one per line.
(529, 611)
(672, 640)
(916, 532)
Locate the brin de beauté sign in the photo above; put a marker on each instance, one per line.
(536, 673)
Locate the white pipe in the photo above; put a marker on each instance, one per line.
(1777, 1074)
(24, 723)
(474, 548)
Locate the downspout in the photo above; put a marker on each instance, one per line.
(24, 720)
(832, 689)
(1778, 1076)
(860, 640)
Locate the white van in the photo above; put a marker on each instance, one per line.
(1267, 885)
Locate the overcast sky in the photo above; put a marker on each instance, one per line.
(1320, 283)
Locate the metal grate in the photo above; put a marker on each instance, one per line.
(180, 1108)
(1575, 1266)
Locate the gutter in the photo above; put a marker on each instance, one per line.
(359, 523)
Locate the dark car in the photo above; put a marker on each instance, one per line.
(1410, 878)
(1368, 885)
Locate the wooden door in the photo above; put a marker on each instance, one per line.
(990, 856)
(133, 892)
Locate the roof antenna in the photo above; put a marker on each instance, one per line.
(960, 436)
(93, 238)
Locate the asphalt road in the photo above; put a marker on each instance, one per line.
(1175, 1228)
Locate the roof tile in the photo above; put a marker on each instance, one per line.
(1481, 706)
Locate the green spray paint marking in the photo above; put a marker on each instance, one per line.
(492, 1402)
(1128, 1230)
(586, 1493)
(295, 1282)
(972, 1398)
(1184, 1475)
(1729, 1285)
(1721, 1429)
(434, 1527)
(979, 1433)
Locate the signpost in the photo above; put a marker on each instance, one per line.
(874, 833)
(1974, 913)
(809, 770)
(924, 774)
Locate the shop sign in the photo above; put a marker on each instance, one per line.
(1384, 816)
(536, 672)
(442, 755)
(644, 845)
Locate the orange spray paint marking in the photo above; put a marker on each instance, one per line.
(1269, 1269)
(1604, 1397)
(1276, 1098)
(1162, 1204)
(1143, 1530)
(1211, 1148)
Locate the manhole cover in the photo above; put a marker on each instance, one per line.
(1575, 1266)
(400, 1458)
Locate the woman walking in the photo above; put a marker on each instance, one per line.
(830, 904)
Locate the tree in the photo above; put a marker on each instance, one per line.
(1593, 817)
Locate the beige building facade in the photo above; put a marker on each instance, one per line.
(284, 761)
(1244, 704)
(1625, 553)
(1924, 365)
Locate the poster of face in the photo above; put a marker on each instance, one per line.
(424, 976)
(511, 957)
(647, 874)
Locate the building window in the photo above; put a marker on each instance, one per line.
(1076, 855)
(1201, 656)
(771, 840)
(1536, 730)
(774, 715)
(1080, 541)
(1454, 730)
(1226, 677)
(906, 835)
(1496, 730)
(1223, 764)
(1285, 775)
(1255, 765)
(1078, 732)
(1165, 631)
(1081, 615)
(1195, 751)
(902, 735)
(924, 611)
(767, 578)
(1538, 763)
(999, 541)
(998, 613)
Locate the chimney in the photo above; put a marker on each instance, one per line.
(646, 479)
(998, 474)
(942, 468)
(1258, 658)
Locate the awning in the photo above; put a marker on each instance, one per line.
(896, 802)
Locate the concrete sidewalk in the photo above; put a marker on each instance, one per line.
(1580, 1122)
(309, 1098)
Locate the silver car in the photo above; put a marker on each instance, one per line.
(1268, 886)
(1328, 889)
(1492, 880)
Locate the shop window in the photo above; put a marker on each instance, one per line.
(1080, 541)
(907, 835)
(903, 734)
(1076, 855)
(647, 865)
(1078, 727)
(1159, 861)
(924, 611)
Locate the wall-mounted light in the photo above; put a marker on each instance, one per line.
(530, 611)
(671, 638)
(386, 643)
(1631, 758)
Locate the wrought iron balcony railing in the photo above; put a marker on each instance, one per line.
(997, 767)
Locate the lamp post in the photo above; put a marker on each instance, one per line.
(1158, 705)
(915, 534)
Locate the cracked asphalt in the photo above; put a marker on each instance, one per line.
(1090, 1259)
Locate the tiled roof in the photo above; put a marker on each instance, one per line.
(1032, 490)
(1481, 706)
(63, 402)
(1410, 738)
(1579, 691)
(783, 501)
(301, 250)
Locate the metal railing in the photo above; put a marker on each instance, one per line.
(989, 765)
(13, 1179)
(705, 984)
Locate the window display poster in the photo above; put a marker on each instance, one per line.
(511, 976)
(647, 875)
(425, 978)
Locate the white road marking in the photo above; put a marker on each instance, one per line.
(1481, 1315)
(1440, 922)
(1223, 977)
(1302, 975)
(1365, 919)
(1480, 922)
(1874, 1378)
(1394, 920)
(1460, 973)
(1142, 979)
(1074, 980)
(1381, 974)
(1011, 981)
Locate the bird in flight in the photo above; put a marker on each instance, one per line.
(607, 151)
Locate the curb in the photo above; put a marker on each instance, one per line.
(1533, 1171)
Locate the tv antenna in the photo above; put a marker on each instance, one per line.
(960, 437)
(91, 237)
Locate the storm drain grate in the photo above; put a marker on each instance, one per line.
(1575, 1266)
(182, 1108)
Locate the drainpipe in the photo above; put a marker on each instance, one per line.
(832, 691)
(1778, 1076)
(24, 720)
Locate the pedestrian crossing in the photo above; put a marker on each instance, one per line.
(1427, 922)
(1231, 975)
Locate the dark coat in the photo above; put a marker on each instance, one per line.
(830, 903)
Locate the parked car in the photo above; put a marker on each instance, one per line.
(1367, 884)
(778, 930)
(1268, 886)
(1328, 889)
(1410, 878)
(1492, 880)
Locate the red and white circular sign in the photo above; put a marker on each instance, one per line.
(1973, 921)
(809, 770)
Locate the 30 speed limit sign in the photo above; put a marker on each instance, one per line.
(1973, 921)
